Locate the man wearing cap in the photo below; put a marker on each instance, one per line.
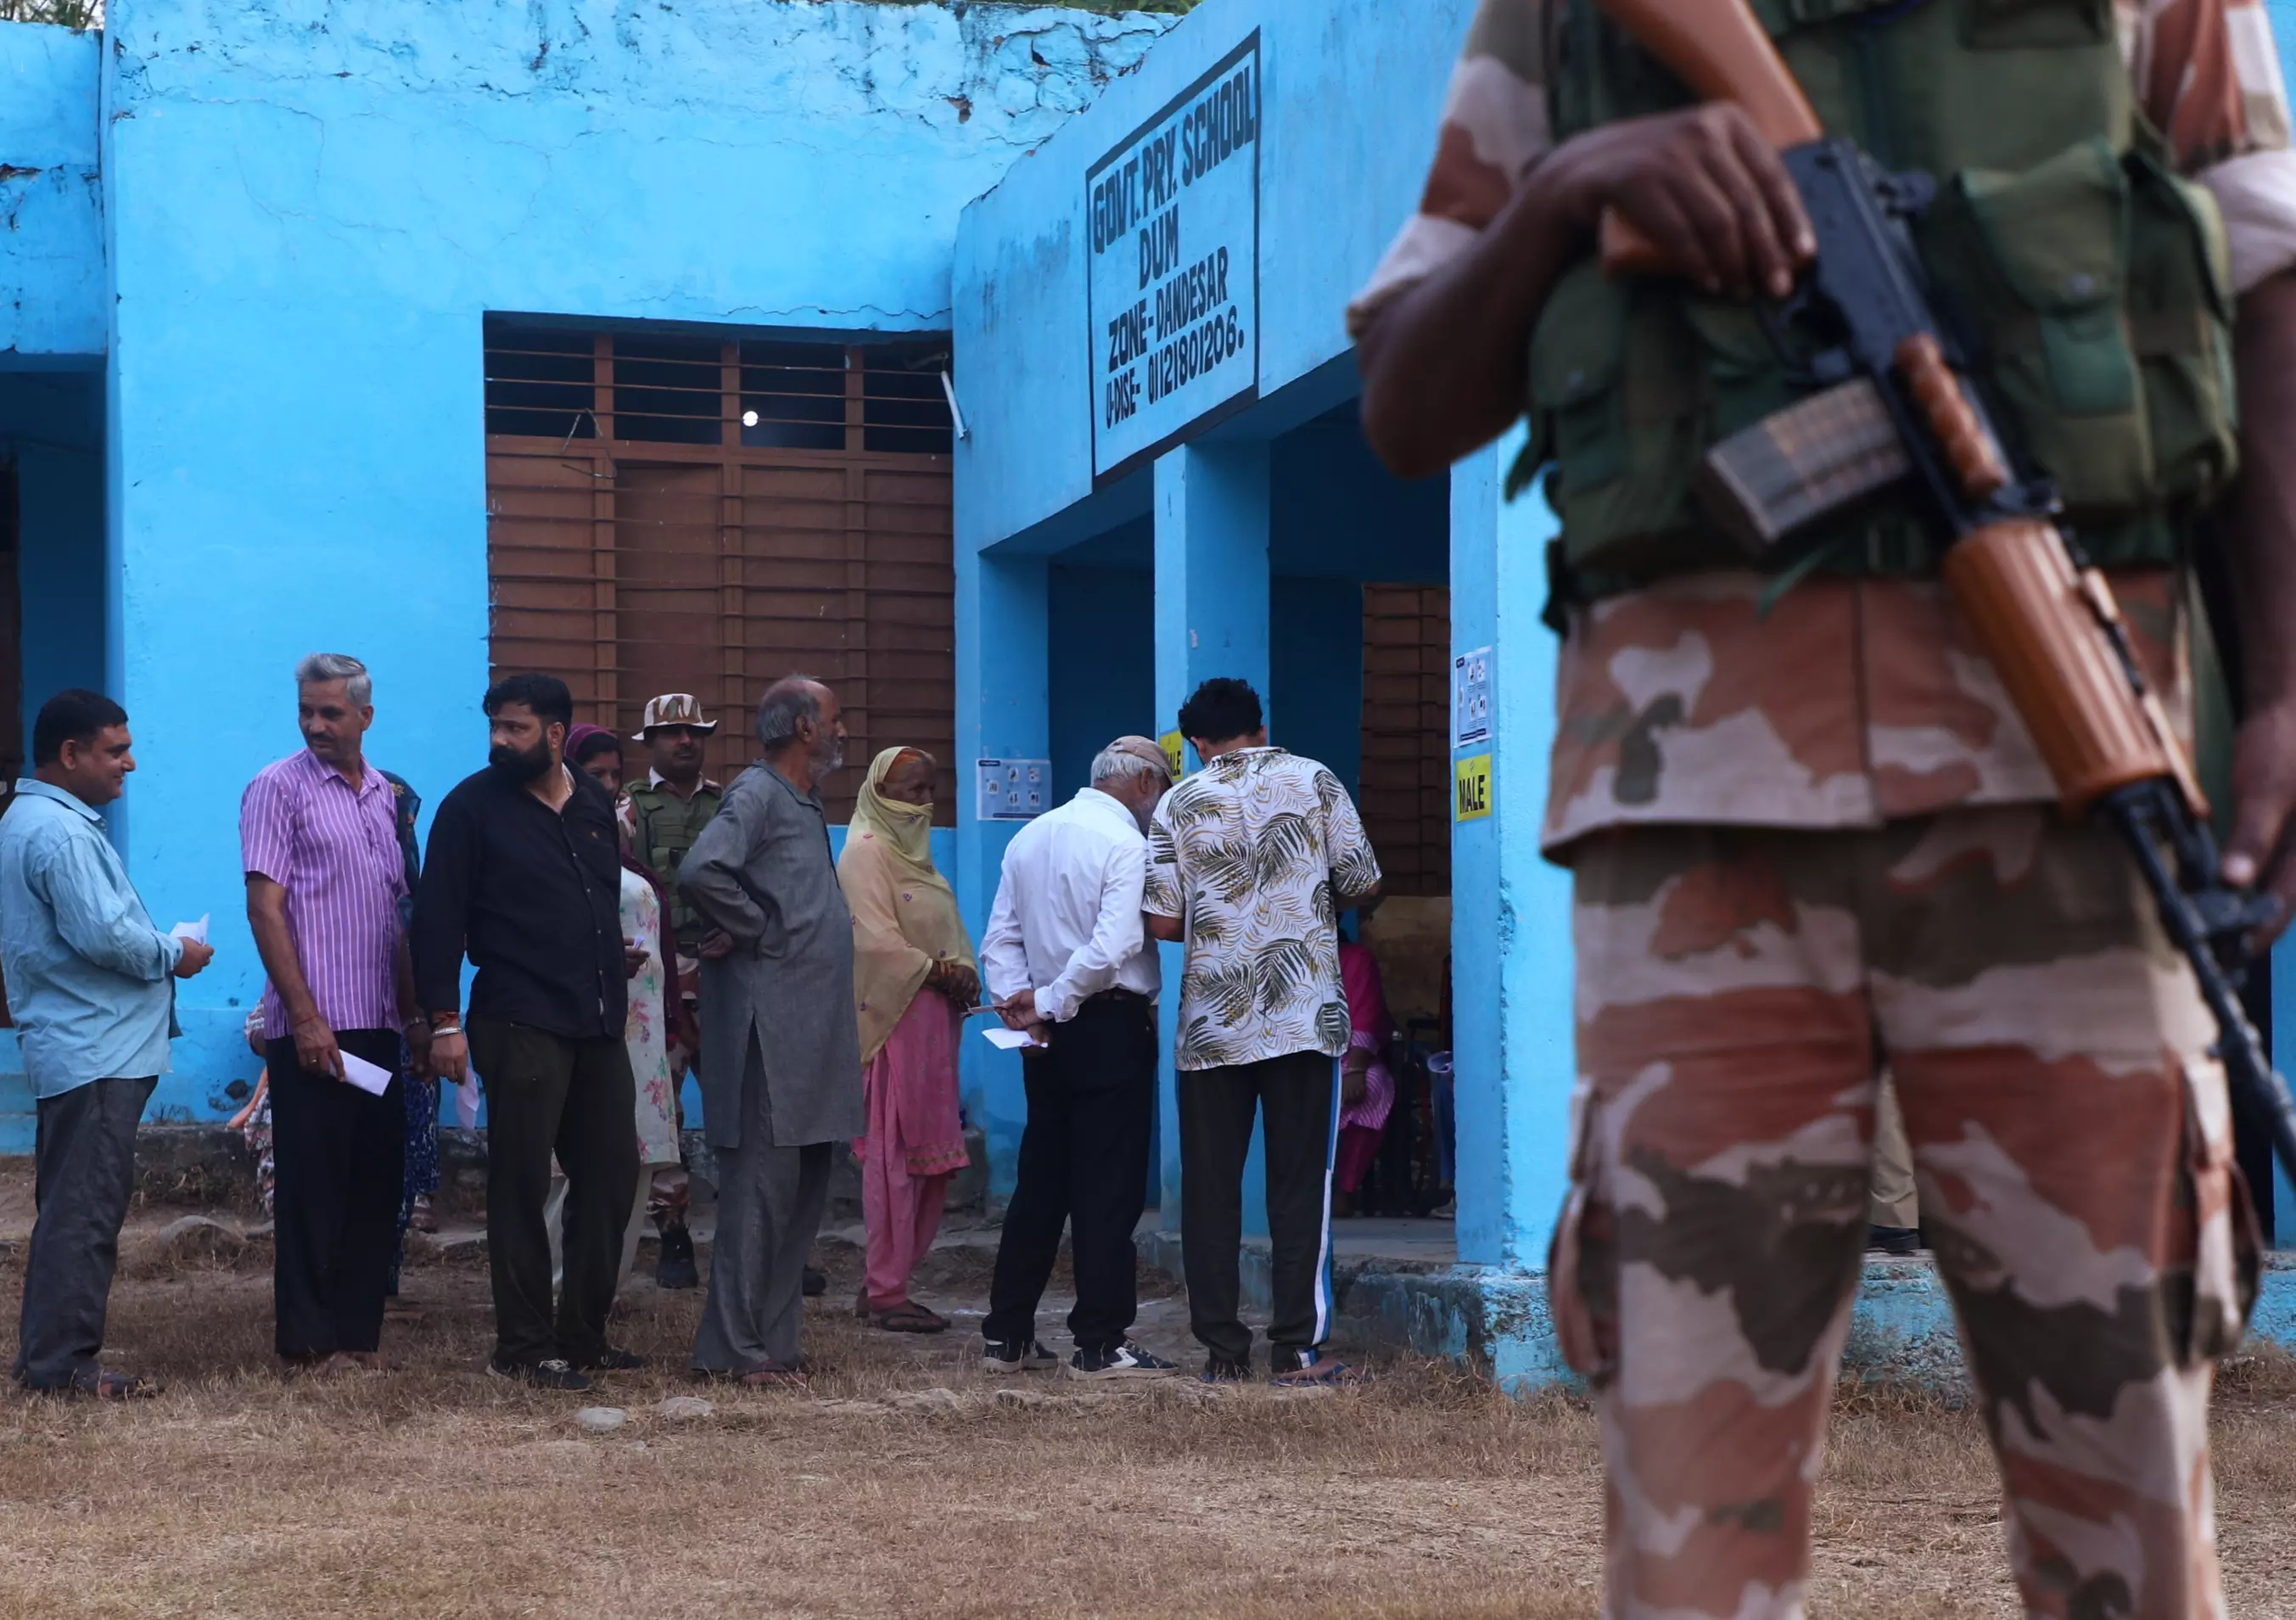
(661, 817)
(1067, 959)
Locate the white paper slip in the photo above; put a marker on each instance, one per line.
(1010, 1040)
(372, 1078)
(197, 933)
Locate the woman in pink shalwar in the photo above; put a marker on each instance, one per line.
(1366, 1088)
(913, 975)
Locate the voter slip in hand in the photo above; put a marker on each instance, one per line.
(1012, 1040)
(372, 1078)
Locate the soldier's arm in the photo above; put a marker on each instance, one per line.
(1445, 363)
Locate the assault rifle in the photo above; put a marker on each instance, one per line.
(1895, 410)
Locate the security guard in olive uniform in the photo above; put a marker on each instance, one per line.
(661, 816)
(666, 812)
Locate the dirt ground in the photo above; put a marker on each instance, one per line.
(905, 1482)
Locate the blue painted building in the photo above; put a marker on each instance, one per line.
(426, 331)
(250, 255)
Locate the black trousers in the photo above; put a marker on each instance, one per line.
(84, 1169)
(552, 1094)
(1299, 1095)
(1084, 1162)
(340, 1156)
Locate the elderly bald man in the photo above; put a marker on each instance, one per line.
(1067, 958)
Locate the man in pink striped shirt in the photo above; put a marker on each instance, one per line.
(326, 878)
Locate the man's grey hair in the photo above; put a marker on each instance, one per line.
(788, 700)
(1121, 765)
(321, 667)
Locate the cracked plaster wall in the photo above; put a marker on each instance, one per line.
(314, 203)
(50, 197)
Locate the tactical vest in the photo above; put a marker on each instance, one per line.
(2086, 284)
(666, 827)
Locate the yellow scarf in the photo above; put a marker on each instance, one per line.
(904, 916)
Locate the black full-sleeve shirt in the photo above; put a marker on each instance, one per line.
(536, 899)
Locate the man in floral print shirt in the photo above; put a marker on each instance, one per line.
(1250, 862)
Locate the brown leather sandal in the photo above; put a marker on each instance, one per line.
(910, 1316)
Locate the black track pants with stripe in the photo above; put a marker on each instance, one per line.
(1298, 1095)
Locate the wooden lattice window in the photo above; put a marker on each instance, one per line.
(675, 514)
(1407, 763)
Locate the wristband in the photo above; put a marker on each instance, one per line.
(446, 1023)
(310, 1018)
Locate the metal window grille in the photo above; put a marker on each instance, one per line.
(673, 513)
(1406, 796)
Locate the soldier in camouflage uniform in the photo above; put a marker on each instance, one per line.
(1810, 836)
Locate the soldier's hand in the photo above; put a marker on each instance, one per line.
(1704, 186)
(2260, 854)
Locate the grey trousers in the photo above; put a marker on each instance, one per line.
(84, 1169)
(770, 1206)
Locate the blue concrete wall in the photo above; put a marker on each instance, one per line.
(51, 205)
(1340, 516)
(310, 205)
(1104, 665)
(1315, 672)
(1510, 909)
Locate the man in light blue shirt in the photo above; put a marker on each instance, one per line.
(88, 987)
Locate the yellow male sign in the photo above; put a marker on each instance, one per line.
(1472, 778)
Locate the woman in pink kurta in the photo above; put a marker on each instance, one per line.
(1366, 1088)
(914, 972)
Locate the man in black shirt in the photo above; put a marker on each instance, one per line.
(524, 873)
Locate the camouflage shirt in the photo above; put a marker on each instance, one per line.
(1854, 701)
(1249, 850)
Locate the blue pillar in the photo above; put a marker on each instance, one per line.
(1211, 619)
(1510, 909)
(1002, 680)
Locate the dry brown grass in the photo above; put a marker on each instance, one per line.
(439, 1491)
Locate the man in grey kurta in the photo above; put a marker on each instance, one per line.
(780, 1069)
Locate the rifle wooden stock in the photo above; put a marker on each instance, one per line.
(2048, 629)
(1720, 50)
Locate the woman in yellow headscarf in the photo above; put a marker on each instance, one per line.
(913, 975)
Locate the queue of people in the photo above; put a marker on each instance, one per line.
(624, 933)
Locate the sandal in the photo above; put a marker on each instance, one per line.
(910, 1316)
(103, 1384)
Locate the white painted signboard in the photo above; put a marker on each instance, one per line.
(1172, 298)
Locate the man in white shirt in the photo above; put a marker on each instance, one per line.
(1067, 958)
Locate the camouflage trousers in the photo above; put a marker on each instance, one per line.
(1738, 989)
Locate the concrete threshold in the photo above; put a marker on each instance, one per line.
(1399, 1287)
